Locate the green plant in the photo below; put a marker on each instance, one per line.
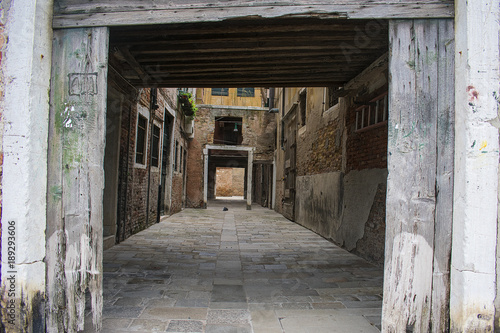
(187, 104)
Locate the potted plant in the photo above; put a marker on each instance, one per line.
(187, 104)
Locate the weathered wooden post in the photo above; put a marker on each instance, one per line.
(420, 180)
(77, 122)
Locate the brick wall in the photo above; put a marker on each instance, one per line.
(230, 182)
(366, 148)
(257, 130)
(134, 212)
(329, 150)
(324, 151)
(177, 194)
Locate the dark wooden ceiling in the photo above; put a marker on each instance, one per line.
(247, 53)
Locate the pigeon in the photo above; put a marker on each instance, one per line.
(225, 209)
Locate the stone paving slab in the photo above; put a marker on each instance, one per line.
(215, 271)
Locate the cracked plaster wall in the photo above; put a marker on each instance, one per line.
(26, 66)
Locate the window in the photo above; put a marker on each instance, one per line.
(175, 157)
(142, 128)
(180, 160)
(155, 153)
(333, 97)
(228, 131)
(245, 92)
(303, 107)
(220, 91)
(372, 113)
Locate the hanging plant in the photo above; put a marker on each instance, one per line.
(187, 104)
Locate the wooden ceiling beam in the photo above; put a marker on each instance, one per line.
(225, 72)
(260, 47)
(237, 84)
(219, 68)
(305, 37)
(71, 13)
(275, 27)
(190, 57)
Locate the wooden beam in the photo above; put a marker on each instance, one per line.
(244, 28)
(420, 183)
(251, 56)
(308, 37)
(76, 178)
(238, 84)
(287, 58)
(68, 13)
(260, 72)
(258, 46)
(444, 177)
(134, 64)
(250, 67)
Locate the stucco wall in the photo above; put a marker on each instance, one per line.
(319, 202)
(204, 96)
(24, 107)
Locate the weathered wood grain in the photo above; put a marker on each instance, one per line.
(444, 177)
(418, 170)
(69, 13)
(76, 176)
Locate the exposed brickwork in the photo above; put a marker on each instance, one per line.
(324, 154)
(257, 130)
(366, 148)
(230, 182)
(372, 245)
(134, 180)
(327, 143)
(176, 193)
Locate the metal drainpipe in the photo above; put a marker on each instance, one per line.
(152, 108)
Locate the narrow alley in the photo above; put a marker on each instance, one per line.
(236, 271)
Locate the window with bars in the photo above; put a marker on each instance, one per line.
(372, 113)
(245, 92)
(220, 91)
(155, 153)
(140, 150)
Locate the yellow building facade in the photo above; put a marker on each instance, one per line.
(232, 96)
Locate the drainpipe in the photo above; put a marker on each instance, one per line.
(152, 107)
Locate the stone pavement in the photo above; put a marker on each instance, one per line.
(238, 271)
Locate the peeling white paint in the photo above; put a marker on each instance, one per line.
(476, 166)
(27, 66)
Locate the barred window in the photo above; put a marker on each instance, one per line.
(220, 91)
